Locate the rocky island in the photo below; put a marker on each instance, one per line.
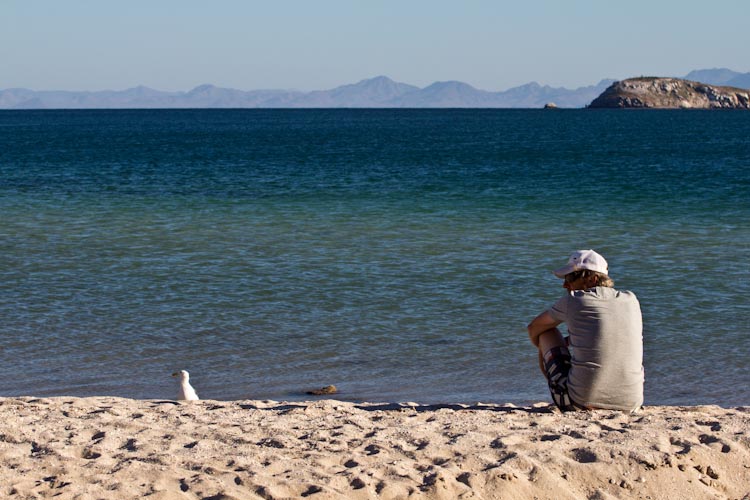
(671, 93)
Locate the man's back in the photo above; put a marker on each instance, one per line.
(606, 343)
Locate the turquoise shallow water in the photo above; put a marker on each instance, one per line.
(398, 254)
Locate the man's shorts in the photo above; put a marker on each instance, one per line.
(557, 366)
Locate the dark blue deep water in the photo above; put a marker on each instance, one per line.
(397, 254)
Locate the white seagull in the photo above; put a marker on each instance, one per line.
(187, 393)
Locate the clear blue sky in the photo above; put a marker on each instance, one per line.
(320, 44)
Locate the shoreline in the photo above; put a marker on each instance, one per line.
(108, 447)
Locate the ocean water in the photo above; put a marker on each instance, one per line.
(397, 254)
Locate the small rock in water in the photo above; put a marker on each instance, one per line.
(329, 389)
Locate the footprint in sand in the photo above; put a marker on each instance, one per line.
(90, 454)
(464, 478)
(54, 483)
(130, 445)
(372, 449)
(421, 444)
(678, 443)
(715, 426)
(312, 490)
(584, 456)
(713, 440)
(357, 484)
(38, 450)
(98, 437)
(550, 437)
(497, 444)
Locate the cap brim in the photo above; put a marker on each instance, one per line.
(563, 271)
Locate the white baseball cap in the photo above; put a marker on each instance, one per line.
(583, 259)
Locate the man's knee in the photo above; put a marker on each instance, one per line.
(549, 339)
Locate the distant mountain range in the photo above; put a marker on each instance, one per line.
(378, 92)
(720, 76)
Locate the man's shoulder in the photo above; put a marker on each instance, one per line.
(625, 295)
(604, 293)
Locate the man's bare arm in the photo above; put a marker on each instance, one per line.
(541, 324)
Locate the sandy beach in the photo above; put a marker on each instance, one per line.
(106, 447)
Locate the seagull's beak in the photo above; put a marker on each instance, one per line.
(175, 374)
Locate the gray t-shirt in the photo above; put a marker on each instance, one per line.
(606, 346)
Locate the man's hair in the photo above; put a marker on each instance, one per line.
(601, 278)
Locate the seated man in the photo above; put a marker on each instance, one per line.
(604, 366)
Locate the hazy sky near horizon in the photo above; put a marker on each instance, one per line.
(312, 45)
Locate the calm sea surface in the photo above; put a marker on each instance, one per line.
(397, 254)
